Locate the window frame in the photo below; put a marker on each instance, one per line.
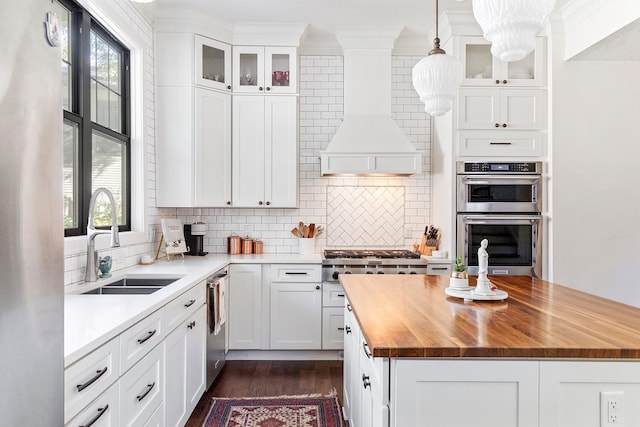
(80, 26)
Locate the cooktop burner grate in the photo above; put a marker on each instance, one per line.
(367, 253)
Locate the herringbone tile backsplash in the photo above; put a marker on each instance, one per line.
(365, 216)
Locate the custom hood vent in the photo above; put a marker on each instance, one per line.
(368, 142)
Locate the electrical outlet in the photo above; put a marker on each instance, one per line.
(612, 409)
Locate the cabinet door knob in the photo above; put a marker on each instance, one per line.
(497, 82)
(268, 203)
(365, 381)
(228, 202)
(497, 125)
(260, 88)
(504, 82)
(260, 202)
(268, 88)
(317, 287)
(504, 125)
(229, 87)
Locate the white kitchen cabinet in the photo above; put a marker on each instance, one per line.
(501, 143)
(333, 321)
(90, 376)
(193, 147)
(296, 316)
(258, 69)
(498, 109)
(295, 307)
(185, 367)
(481, 68)
(265, 151)
(212, 66)
(142, 389)
(245, 307)
(351, 367)
(495, 393)
(102, 412)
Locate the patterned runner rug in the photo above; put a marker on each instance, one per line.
(275, 412)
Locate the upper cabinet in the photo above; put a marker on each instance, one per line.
(261, 70)
(481, 68)
(212, 63)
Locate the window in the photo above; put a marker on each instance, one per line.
(96, 127)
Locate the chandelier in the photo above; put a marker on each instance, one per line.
(512, 25)
(437, 77)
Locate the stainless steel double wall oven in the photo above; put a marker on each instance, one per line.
(500, 202)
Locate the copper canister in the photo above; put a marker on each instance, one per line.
(234, 246)
(257, 246)
(247, 245)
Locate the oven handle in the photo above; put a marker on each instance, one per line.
(484, 219)
(485, 179)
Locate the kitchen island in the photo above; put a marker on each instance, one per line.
(543, 357)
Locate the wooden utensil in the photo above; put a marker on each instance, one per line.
(300, 226)
(295, 232)
(305, 231)
(312, 230)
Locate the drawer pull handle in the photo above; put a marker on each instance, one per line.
(341, 329)
(99, 373)
(349, 307)
(92, 421)
(440, 268)
(500, 143)
(149, 335)
(347, 329)
(365, 381)
(365, 347)
(190, 303)
(298, 273)
(341, 295)
(147, 391)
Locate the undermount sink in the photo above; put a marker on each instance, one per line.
(134, 286)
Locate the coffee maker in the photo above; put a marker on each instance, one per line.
(194, 238)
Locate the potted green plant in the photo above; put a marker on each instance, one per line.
(459, 277)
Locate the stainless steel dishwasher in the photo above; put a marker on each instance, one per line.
(217, 307)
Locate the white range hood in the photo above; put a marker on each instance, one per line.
(368, 142)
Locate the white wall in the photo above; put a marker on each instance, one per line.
(595, 174)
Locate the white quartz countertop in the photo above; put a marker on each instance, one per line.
(92, 320)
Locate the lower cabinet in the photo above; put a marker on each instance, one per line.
(333, 298)
(104, 411)
(296, 311)
(142, 389)
(245, 307)
(185, 368)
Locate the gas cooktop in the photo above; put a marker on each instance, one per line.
(369, 253)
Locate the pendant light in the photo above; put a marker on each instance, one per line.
(437, 77)
(512, 25)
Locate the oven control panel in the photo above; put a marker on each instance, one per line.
(499, 167)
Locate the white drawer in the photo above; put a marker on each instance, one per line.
(142, 389)
(439, 269)
(295, 272)
(332, 295)
(90, 376)
(102, 412)
(139, 339)
(157, 419)
(501, 143)
(333, 328)
(184, 306)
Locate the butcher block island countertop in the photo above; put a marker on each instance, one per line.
(411, 316)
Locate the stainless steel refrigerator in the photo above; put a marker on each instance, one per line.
(31, 227)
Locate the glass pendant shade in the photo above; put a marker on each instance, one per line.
(436, 78)
(512, 25)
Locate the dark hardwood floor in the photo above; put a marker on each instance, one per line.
(252, 378)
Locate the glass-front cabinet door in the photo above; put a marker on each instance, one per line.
(281, 69)
(481, 68)
(264, 69)
(213, 63)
